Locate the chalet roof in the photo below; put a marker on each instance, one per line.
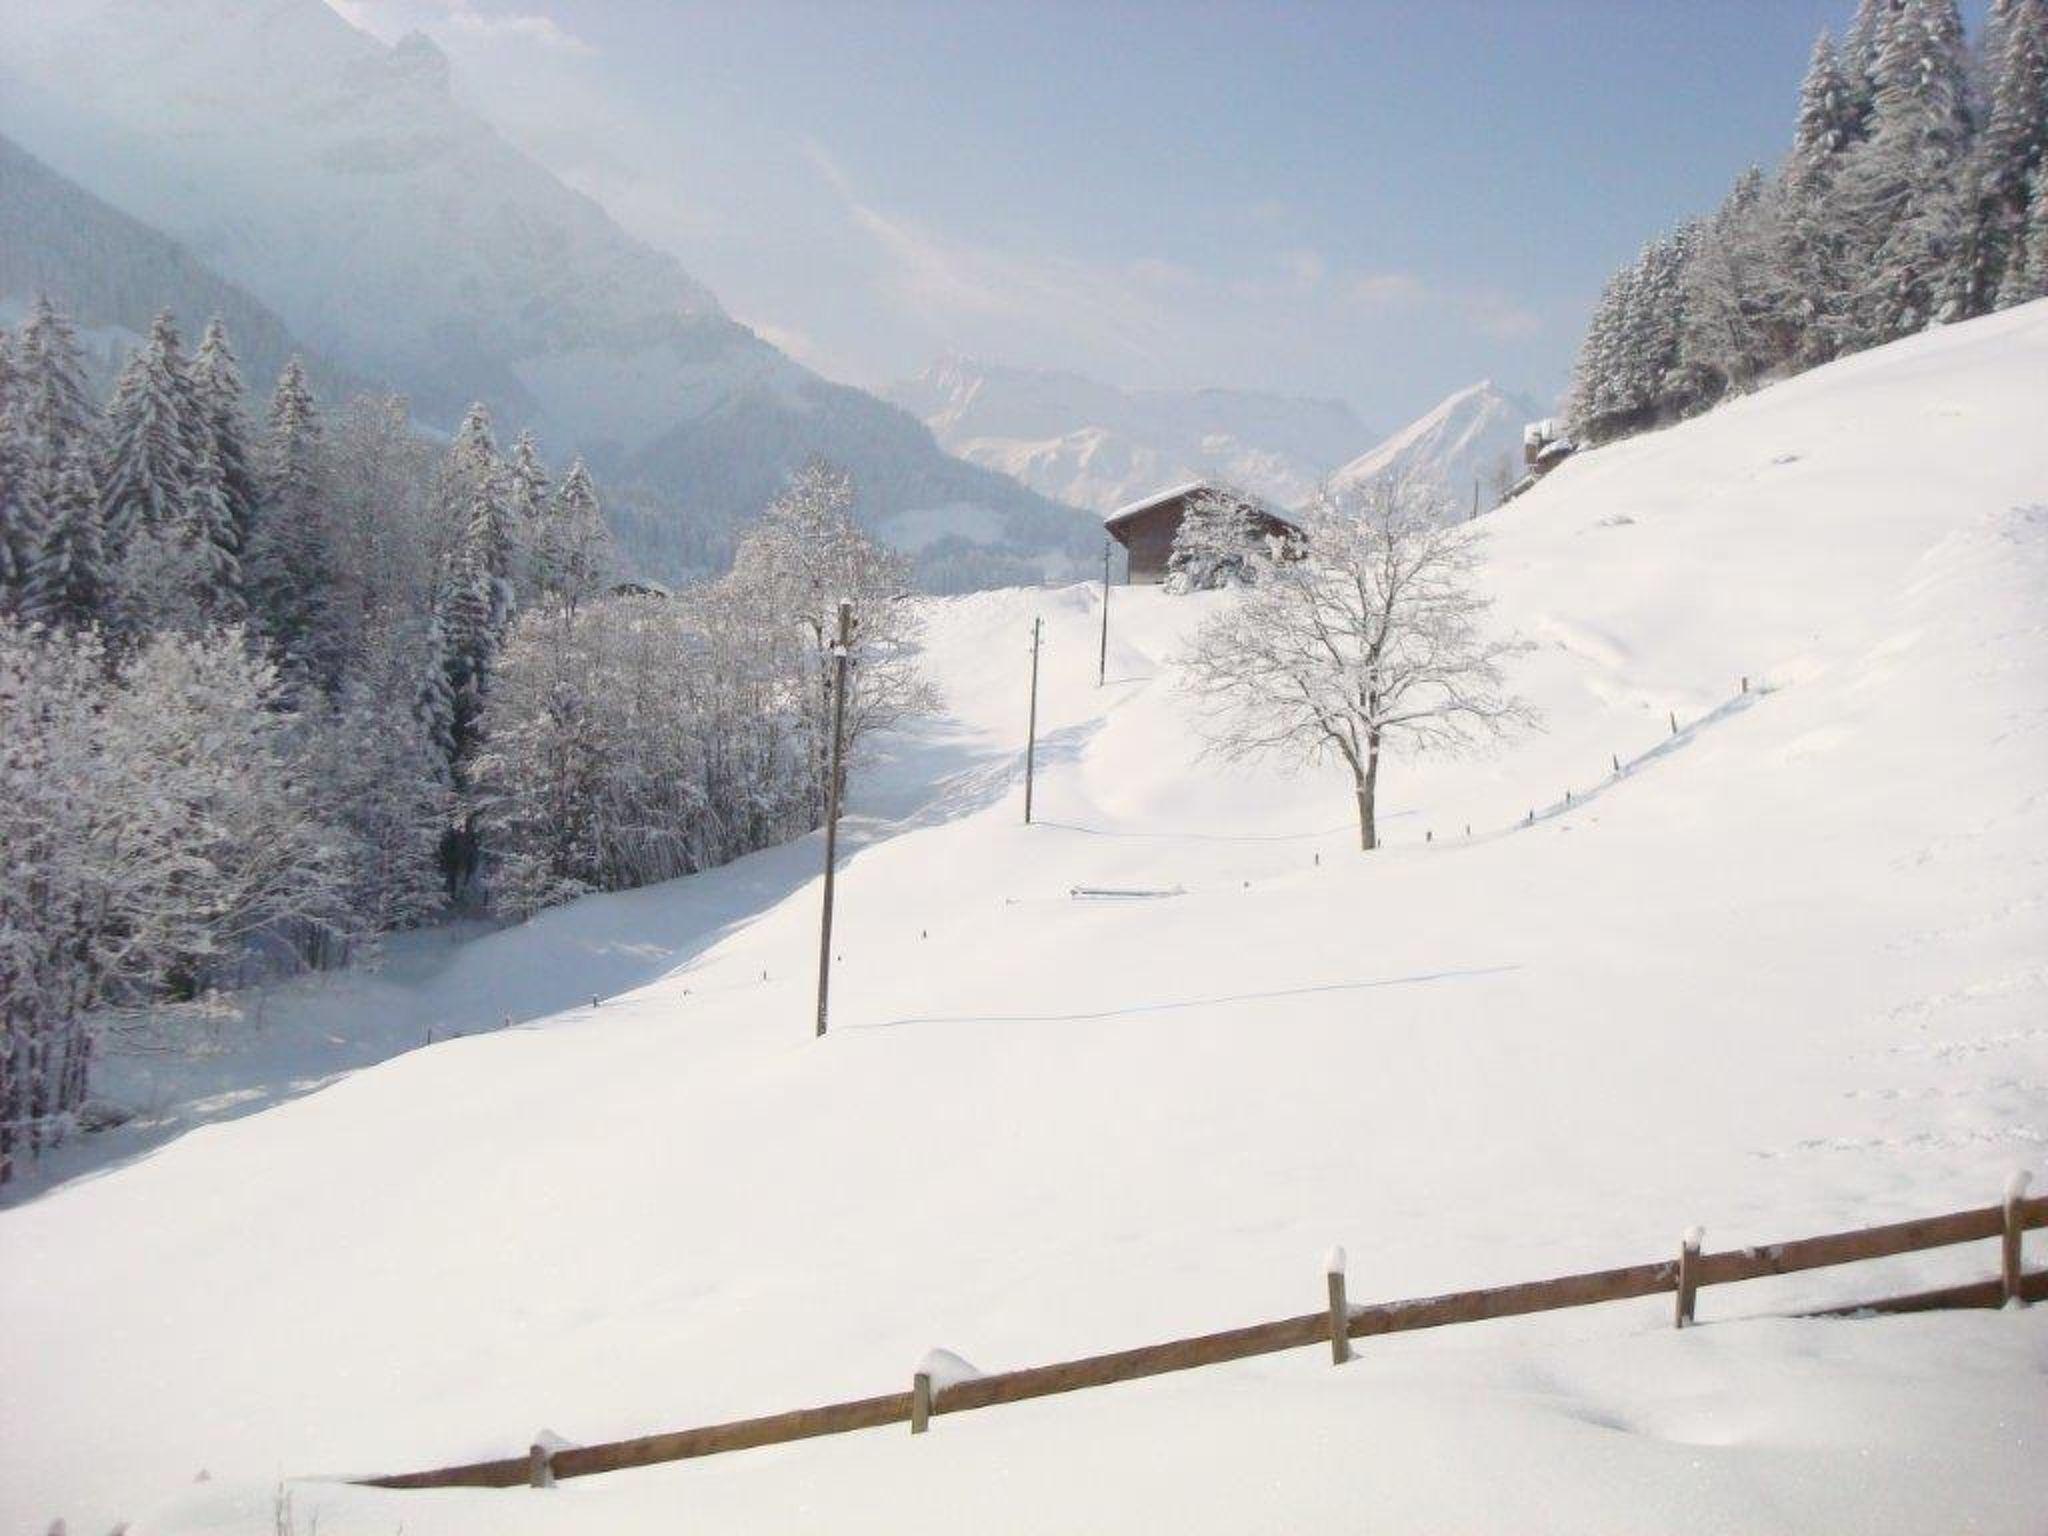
(1157, 498)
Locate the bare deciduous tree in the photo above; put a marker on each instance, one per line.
(1374, 636)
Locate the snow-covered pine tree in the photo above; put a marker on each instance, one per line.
(433, 705)
(1590, 406)
(1220, 542)
(50, 376)
(1985, 56)
(217, 393)
(146, 458)
(2027, 278)
(1737, 320)
(1828, 122)
(67, 585)
(477, 503)
(580, 542)
(1903, 210)
(1862, 54)
(1810, 263)
(526, 505)
(466, 613)
(20, 517)
(288, 574)
(211, 531)
(2009, 153)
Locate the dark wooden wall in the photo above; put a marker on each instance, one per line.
(1149, 538)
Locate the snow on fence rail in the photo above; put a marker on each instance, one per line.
(1336, 1325)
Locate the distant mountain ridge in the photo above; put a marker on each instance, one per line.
(340, 182)
(1098, 445)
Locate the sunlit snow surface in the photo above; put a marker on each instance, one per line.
(1787, 973)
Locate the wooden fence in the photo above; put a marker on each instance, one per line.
(1335, 1325)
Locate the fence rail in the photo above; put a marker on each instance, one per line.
(1334, 1326)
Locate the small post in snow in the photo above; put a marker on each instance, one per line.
(2009, 1267)
(832, 805)
(1745, 685)
(1674, 722)
(540, 1466)
(1102, 660)
(1340, 1309)
(1617, 762)
(1688, 1273)
(1031, 733)
(920, 1402)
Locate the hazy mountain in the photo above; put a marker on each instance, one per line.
(343, 183)
(112, 273)
(1096, 445)
(1475, 434)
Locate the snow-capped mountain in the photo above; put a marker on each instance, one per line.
(1473, 435)
(1095, 445)
(344, 184)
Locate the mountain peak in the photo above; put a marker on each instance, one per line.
(1472, 434)
(417, 60)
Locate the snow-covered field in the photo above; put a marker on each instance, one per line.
(1788, 972)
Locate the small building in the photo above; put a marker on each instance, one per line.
(1146, 527)
(634, 586)
(1545, 445)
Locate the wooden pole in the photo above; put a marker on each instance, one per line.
(540, 1467)
(920, 1402)
(1102, 661)
(1340, 1310)
(2009, 1266)
(833, 777)
(1031, 733)
(1688, 1274)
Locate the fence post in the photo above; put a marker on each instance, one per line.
(540, 1466)
(1688, 1277)
(920, 1402)
(1674, 722)
(2009, 1268)
(1340, 1310)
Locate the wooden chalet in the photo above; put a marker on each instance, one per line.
(1146, 527)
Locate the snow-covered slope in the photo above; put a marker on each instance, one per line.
(1781, 975)
(1095, 445)
(345, 184)
(1472, 435)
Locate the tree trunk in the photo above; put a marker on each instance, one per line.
(1368, 789)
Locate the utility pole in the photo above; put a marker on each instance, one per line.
(1102, 662)
(1031, 736)
(832, 782)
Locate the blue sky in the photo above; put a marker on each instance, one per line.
(1377, 202)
